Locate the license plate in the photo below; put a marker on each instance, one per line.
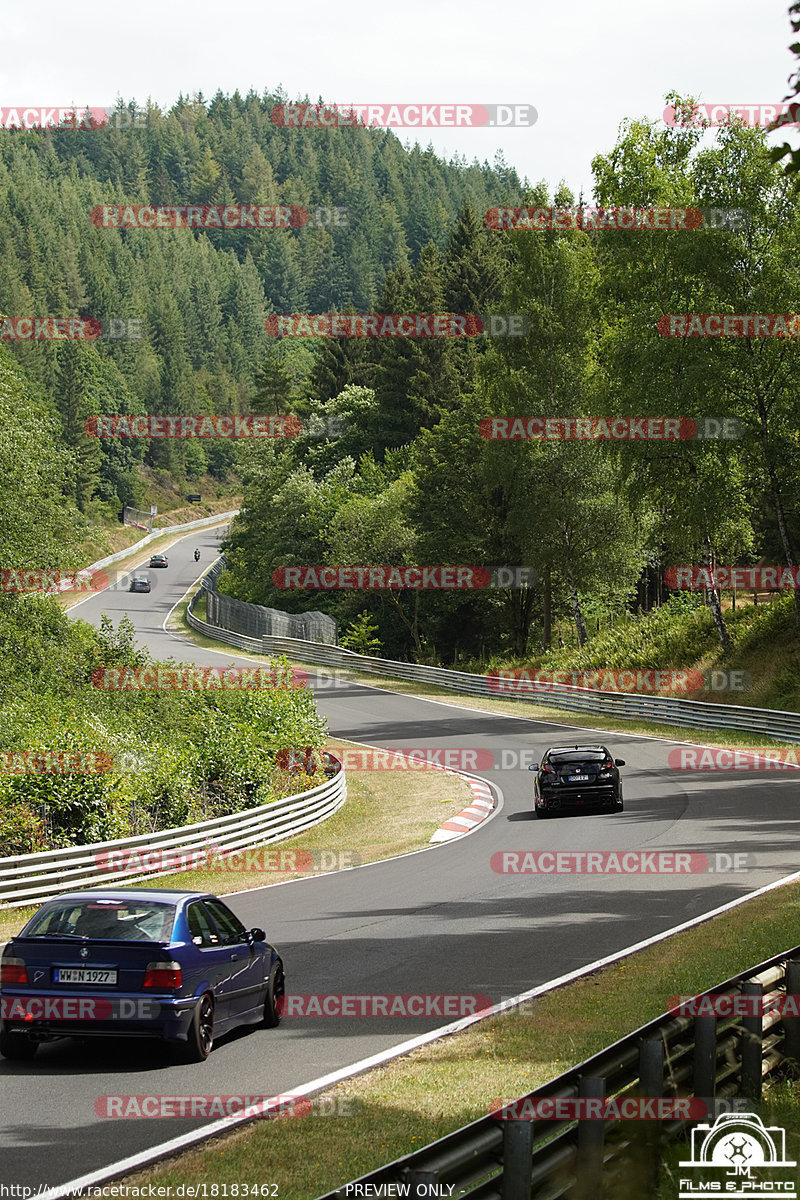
(83, 975)
(579, 778)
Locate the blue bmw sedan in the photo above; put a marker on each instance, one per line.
(144, 962)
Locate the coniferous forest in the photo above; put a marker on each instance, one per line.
(391, 466)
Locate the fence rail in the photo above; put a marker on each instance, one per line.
(32, 878)
(695, 714)
(721, 1061)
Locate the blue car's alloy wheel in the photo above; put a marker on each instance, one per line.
(275, 989)
(201, 1031)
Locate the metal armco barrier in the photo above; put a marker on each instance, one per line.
(32, 878)
(254, 621)
(721, 1061)
(691, 713)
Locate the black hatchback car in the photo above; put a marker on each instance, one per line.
(576, 777)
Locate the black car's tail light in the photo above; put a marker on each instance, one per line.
(13, 970)
(165, 976)
(547, 769)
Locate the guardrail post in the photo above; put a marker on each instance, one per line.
(591, 1137)
(651, 1067)
(426, 1180)
(751, 1043)
(791, 1024)
(651, 1085)
(517, 1156)
(704, 1078)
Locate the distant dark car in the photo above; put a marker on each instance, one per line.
(140, 962)
(576, 777)
(159, 560)
(139, 583)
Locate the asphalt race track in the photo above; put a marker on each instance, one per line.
(439, 921)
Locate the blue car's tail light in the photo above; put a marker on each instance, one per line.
(13, 970)
(164, 976)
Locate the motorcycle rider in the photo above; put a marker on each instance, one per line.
(197, 556)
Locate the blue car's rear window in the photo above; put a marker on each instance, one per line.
(122, 920)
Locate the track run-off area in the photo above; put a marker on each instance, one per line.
(443, 920)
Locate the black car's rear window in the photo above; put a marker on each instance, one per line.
(569, 756)
(120, 920)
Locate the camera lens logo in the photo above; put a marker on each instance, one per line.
(738, 1155)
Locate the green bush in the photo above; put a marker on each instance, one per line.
(151, 759)
(21, 831)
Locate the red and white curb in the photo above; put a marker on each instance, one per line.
(469, 817)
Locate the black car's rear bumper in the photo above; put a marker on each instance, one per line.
(564, 798)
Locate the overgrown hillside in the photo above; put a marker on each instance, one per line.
(199, 298)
